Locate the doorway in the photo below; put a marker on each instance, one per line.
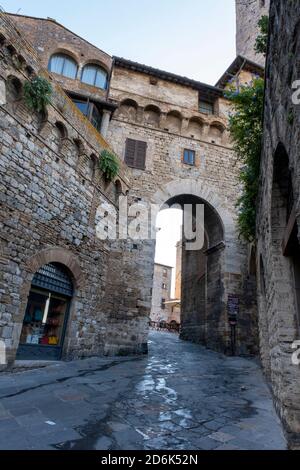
(46, 315)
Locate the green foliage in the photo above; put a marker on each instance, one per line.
(37, 94)
(109, 164)
(290, 117)
(245, 127)
(261, 43)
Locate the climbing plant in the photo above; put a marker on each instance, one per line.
(109, 164)
(246, 130)
(245, 127)
(261, 42)
(37, 94)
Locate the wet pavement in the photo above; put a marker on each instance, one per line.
(179, 397)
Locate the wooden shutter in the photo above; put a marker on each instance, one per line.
(135, 154)
(130, 152)
(141, 148)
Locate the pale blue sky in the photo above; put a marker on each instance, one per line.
(195, 38)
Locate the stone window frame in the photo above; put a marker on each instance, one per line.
(187, 161)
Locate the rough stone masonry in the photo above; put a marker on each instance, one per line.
(52, 187)
(278, 218)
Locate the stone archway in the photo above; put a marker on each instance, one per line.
(221, 206)
(32, 266)
(206, 272)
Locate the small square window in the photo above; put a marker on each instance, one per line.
(206, 107)
(189, 157)
(164, 286)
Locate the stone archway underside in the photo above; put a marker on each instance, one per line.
(205, 272)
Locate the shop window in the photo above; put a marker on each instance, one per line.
(46, 314)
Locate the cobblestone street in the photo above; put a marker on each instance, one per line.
(179, 397)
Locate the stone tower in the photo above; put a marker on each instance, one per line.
(248, 13)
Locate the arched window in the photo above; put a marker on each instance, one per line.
(63, 64)
(95, 76)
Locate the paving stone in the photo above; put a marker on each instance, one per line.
(213, 425)
(125, 417)
(104, 443)
(8, 424)
(17, 411)
(228, 447)
(221, 437)
(205, 443)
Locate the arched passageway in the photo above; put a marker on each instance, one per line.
(202, 274)
(218, 309)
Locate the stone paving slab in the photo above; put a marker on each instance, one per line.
(180, 397)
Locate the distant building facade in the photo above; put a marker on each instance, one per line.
(162, 284)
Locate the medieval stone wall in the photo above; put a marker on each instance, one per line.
(248, 13)
(60, 152)
(278, 215)
(213, 180)
(51, 186)
(49, 37)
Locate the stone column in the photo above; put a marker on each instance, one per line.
(105, 122)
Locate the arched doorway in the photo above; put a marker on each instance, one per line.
(46, 315)
(285, 230)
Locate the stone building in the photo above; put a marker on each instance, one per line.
(170, 134)
(161, 294)
(248, 13)
(51, 259)
(278, 261)
(186, 158)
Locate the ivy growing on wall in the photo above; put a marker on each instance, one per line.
(261, 43)
(109, 165)
(246, 130)
(245, 127)
(37, 94)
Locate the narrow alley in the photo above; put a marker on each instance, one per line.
(181, 396)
